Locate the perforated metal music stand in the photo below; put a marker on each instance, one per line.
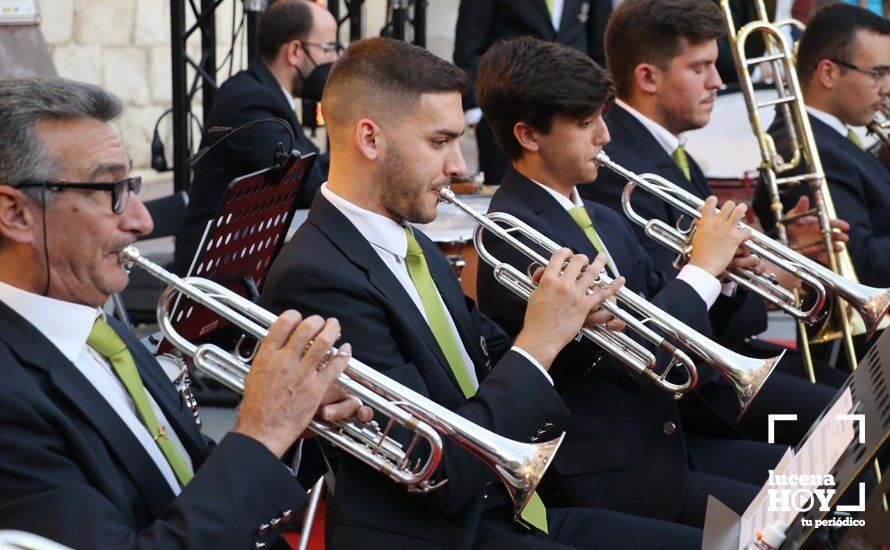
(242, 240)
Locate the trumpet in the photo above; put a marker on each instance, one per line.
(871, 303)
(519, 465)
(880, 126)
(745, 374)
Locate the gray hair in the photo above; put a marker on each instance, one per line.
(24, 102)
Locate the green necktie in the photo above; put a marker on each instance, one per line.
(851, 135)
(534, 513)
(579, 214)
(679, 156)
(108, 344)
(549, 6)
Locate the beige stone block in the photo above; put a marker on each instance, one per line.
(104, 21)
(152, 23)
(159, 75)
(57, 21)
(79, 62)
(135, 126)
(125, 73)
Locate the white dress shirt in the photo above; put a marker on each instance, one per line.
(832, 121)
(290, 99)
(701, 281)
(669, 142)
(68, 326)
(389, 240)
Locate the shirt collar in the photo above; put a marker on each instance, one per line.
(668, 141)
(65, 324)
(832, 121)
(566, 202)
(290, 99)
(380, 231)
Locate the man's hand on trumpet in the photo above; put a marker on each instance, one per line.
(292, 378)
(717, 239)
(564, 301)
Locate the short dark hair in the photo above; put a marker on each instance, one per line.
(831, 34)
(653, 31)
(283, 21)
(26, 101)
(530, 80)
(383, 76)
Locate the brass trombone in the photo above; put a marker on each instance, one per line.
(746, 374)
(871, 303)
(519, 465)
(792, 110)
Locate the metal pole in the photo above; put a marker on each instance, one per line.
(420, 22)
(208, 56)
(180, 114)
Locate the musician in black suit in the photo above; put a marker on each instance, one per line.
(662, 55)
(844, 70)
(480, 23)
(394, 117)
(97, 449)
(626, 448)
(296, 43)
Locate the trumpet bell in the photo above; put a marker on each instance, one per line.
(521, 477)
(748, 381)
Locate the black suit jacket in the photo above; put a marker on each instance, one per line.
(328, 268)
(250, 95)
(617, 454)
(860, 188)
(72, 471)
(481, 23)
(634, 147)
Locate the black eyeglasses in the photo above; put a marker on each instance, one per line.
(879, 73)
(120, 189)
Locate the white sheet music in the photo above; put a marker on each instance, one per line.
(816, 457)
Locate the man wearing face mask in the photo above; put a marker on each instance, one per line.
(296, 44)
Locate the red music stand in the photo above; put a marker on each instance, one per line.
(241, 241)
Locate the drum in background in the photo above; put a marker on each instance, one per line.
(452, 231)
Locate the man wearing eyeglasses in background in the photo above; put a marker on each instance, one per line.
(843, 63)
(97, 449)
(296, 45)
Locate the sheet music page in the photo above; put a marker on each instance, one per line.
(814, 460)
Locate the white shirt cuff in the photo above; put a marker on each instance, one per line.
(706, 285)
(534, 362)
(473, 116)
(294, 466)
(728, 289)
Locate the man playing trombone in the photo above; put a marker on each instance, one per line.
(843, 64)
(394, 117)
(625, 449)
(661, 54)
(97, 449)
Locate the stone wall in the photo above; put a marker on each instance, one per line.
(124, 45)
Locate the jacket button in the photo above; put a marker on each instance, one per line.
(669, 428)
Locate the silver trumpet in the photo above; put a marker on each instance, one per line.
(745, 374)
(871, 303)
(880, 126)
(519, 465)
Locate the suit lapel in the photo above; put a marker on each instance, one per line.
(354, 246)
(566, 232)
(541, 7)
(35, 350)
